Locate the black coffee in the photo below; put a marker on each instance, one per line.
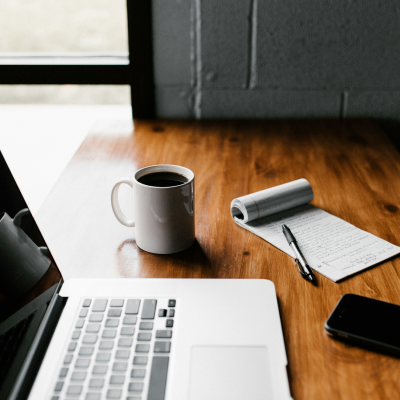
(163, 179)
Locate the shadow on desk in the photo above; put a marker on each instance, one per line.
(392, 129)
(191, 263)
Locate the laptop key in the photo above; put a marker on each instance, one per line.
(72, 346)
(138, 373)
(86, 303)
(127, 331)
(79, 323)
(86, 350)
(162, 347)
(114, 393)
(93, 328)
(78, 376)
(125, 342)
(96, 317)
(171, 303)
(116, 312)
(82, 363)
(109, 333)
(75, 335)
(142, 348)
(96, 383)
(120, 366)
(103, 357)
(158, 378)
(144, 337)
(92, 396)
(89, 339)
(63, 372)
(146, 326)
(162, 313)
(112, 322)
(59, 386)
(68, 359)
(99, 370)
(171, 313)
(74, 390)
(83, 313)
(133, 398)
(116, 303)
(164, 334)
(140, 360)
(99, 305)
(117, 379)
(135, 387)
(129, 320)
(132, 306)
(170, 323)
(149, 309)
(106, 345)
(124, 354)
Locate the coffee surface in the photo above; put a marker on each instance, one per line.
(163, 179)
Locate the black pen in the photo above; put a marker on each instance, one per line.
(304, 268)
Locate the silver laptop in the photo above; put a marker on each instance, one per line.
(131, 339)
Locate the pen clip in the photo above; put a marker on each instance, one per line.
(301, 270)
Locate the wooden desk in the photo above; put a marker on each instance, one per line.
(354, 171)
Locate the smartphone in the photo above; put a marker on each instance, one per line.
(366, 322)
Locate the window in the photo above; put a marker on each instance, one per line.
(68, 42)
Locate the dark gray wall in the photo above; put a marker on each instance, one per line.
(277, 58)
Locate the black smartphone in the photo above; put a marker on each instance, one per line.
(366, 322)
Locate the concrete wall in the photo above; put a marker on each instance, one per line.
(277, 58)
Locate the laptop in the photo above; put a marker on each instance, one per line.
(131, 339)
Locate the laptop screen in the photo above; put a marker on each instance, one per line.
(27, 268)
(29, 278)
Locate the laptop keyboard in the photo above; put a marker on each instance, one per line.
(119, 349)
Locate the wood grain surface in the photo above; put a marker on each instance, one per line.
(354, 171)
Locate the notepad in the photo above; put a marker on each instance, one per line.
(332, 246)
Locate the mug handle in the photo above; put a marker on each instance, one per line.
(18, 217)
(115, 202)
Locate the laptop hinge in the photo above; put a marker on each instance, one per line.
(34, 358)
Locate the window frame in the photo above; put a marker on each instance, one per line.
(95, 69)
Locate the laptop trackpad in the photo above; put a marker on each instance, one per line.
(230, 372)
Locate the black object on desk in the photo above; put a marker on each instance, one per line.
(366, 322)
(304, 268)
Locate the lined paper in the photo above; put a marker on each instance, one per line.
(332, 247)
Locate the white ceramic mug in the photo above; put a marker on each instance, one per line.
(164, 216)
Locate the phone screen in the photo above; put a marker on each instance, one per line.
(365, 318)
